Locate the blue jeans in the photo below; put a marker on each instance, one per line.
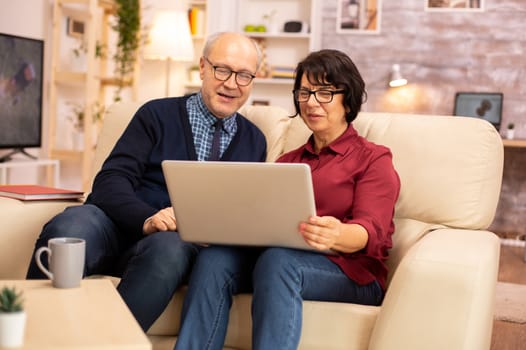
(151, 267)
(279, 278)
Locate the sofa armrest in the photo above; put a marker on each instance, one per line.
(21, 223)
(442, 294)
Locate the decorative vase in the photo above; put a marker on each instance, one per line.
(12, 328)
(510, 134)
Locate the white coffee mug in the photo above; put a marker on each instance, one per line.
(66, 261)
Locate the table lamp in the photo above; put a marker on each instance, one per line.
(169, 39)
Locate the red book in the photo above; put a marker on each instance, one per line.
(37, 192)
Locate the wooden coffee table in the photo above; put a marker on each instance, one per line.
(92, 316)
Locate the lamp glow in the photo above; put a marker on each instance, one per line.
(170, 39)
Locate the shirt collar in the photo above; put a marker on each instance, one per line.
(228, 122)
(339, 146)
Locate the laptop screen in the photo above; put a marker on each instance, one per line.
(483, 105)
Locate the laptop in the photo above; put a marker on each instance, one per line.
(482, 105)
(240, 203)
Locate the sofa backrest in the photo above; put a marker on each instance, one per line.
(450, 167)
(116, 119)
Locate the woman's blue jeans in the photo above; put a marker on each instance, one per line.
(279, 278)
(151, 267)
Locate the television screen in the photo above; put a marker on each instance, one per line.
(21, 73)
(483, 105)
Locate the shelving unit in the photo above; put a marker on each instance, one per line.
(85, 83)
(198, 38)
(282, 48)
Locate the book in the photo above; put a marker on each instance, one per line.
(37, 192)
(196, 17)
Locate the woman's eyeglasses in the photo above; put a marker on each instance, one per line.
(322, 96)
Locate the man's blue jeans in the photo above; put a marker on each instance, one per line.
(151, 267)
(280, 280)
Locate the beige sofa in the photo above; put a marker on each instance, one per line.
(443, 264)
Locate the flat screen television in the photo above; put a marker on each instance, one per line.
(21, 75)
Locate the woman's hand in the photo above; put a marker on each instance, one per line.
(321, 232)
(327, 232)
(163, 220)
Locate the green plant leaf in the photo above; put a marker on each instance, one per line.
(10, 300)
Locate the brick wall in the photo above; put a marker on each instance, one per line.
(441, 53)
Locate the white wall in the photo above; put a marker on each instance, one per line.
(23, 17)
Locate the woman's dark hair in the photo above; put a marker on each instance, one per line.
(333, 67)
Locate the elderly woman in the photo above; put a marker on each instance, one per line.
(356, 187)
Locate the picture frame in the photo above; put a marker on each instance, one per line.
(454, 5)
(75, 28)
(358, 16)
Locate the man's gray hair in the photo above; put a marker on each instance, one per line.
(212, 38)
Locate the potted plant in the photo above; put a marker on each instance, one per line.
(12, 318)
(128, 28)
(510, 131)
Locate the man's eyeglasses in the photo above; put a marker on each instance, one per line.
(322, 96)
(223, 74)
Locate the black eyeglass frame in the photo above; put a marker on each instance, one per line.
(225, 69)
(315, 93)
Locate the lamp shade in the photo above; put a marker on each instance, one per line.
(396, 77)
(169, 37)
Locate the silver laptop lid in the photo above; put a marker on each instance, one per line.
(240, 203)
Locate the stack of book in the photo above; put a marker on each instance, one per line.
(283, 72)
(37, 192)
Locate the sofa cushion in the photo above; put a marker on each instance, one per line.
(274, 122)
(116, 119)
(351, 322)
(297, 134)
(463, 196)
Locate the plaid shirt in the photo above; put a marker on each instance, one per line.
(202, 122)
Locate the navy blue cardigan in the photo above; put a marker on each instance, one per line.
(130, 187)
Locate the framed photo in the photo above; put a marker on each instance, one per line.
(358, 16)
(454, 5)
(75, 28)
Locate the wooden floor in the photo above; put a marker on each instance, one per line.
(512, 269)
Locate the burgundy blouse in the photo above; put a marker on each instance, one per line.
(355, 181)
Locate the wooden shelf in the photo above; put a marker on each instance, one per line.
(86, 87)
(520, 143)
(66, 154)
(279, 35)
(70, 78)
(275, 81)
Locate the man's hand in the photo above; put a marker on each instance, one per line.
(163, 220)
